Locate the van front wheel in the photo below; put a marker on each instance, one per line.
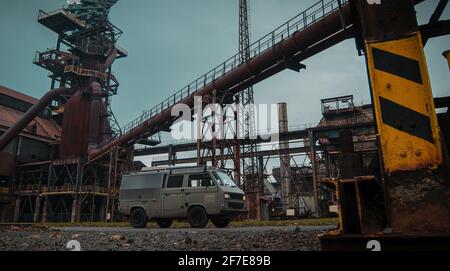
(164, 222)
(221, 222)
(138, 218)
(197, 217)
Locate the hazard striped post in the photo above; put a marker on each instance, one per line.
(407, 127)
(403, 102)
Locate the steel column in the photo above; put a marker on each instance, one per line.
(312, 146)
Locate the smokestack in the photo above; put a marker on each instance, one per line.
(285, 165)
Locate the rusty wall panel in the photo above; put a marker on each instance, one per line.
(32, 151)
(75, 126)
(6, 164)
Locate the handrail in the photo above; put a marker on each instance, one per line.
(281, 33)
(324, 124)
(72, 188)
(43, 14)
(85, 72)
(28, 188)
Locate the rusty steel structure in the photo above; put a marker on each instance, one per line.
(247, 121)
(68, 187)
(294, 146)
(317, 28)
(80, 179)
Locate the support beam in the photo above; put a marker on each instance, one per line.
(74, 214)
(16, 210)
(290, 135)
(408, 131)
(37, 208)
(45, 210)
(312, 145)
(434, 29)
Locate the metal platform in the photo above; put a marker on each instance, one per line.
(60, 21)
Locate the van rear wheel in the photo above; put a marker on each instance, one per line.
(164, 222)
(138, 218)
(197, 217)
(221, 222)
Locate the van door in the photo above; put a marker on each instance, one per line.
(201, 189)
(141, 190)
(173, 197)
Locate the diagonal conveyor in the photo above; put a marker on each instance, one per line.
(319, 27)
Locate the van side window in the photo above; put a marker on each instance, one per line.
(175, 181)
(200, 180)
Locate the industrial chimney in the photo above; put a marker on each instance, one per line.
(285, 166)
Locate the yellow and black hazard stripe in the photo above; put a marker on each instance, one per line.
(403, 103)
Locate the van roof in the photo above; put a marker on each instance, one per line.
(174, 170)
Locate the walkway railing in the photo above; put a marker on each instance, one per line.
(42, 15)
(85, 72)
(72, 188)
(30, 188)
(283, 32)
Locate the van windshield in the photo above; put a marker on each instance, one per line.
(224, 179)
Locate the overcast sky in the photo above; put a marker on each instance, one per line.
(172, 42)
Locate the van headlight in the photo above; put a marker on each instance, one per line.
(226, 196)
(244, 197)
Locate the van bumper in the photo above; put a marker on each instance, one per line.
(232, 212)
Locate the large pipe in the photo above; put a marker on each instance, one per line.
(32, 113)
(298, 42)
(94, 116)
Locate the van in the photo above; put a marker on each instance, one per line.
(198, 194)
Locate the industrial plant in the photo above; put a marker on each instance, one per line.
(376, 168)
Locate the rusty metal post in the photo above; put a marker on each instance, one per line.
(37, 208)
(44, 210)
(261, 176)
(446, 54)
(407, 126)
(314, 171)
(285, 166)
(16, 210)
(108, 195)
(76, 201)
(113, 202)
(213, 132)
(94, 116)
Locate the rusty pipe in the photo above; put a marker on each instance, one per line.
(298, 42)
(32, 113)
(94, 115)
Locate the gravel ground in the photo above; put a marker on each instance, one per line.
(127, 239)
